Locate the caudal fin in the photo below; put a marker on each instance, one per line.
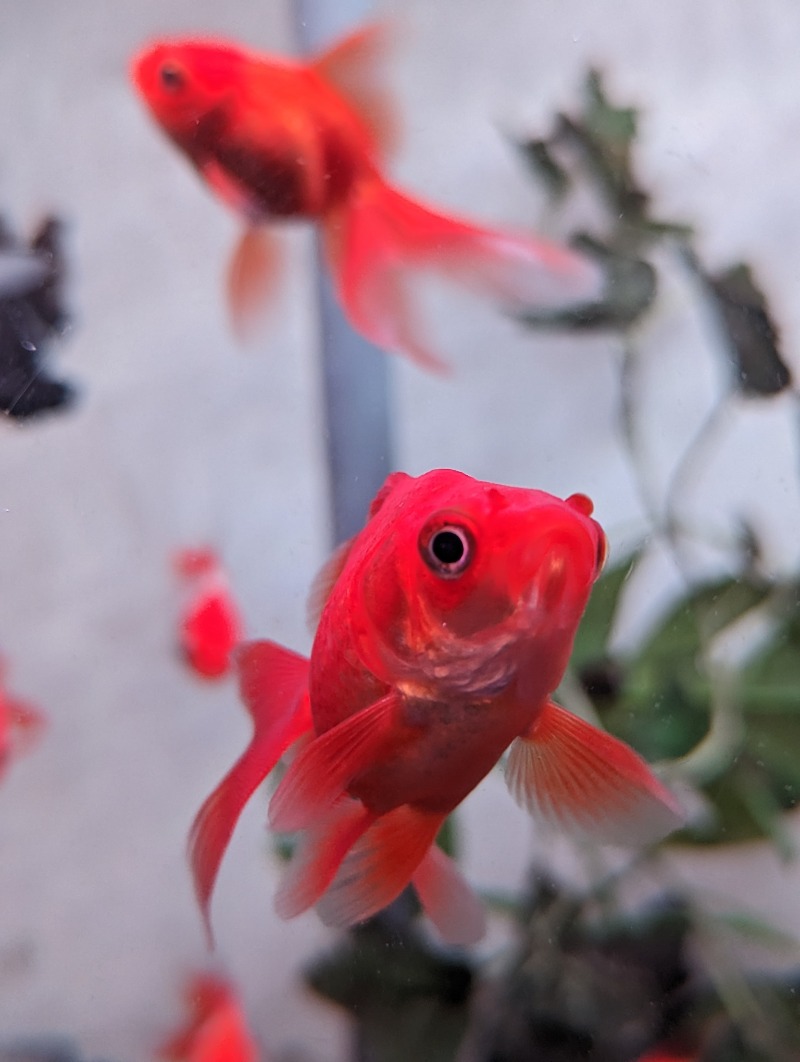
(381, 239)
(273, 684)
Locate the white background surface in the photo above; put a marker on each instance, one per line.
(182, 438)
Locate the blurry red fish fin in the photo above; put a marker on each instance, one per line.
(381, 239)
(448, 900)
(573, 776)
(354, 66)
(324, 582)
(368, 259)
(252, 280)
(318, 855)
(520, 272)
(273, 686)
(321, 771)
(379, 865)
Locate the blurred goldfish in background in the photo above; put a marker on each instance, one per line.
(277, 139)
(215, 1031)
(20, 725)
(445, 625)
(210, 624)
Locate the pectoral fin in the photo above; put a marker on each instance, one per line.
(322, 770)
(581, 779)
(254, 274)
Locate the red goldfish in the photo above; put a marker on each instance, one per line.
(277, 139)
(216, 1030)
(446, 624)
(20, 724)
(210, 625)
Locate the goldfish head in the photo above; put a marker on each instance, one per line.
(186, 83)
(467, 586)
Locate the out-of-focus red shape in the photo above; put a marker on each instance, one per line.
(210, 625)
(215, 1030)
(20, 725)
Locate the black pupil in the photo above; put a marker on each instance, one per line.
(171, 77)
(447, 547)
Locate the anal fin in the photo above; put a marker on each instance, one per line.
(379, 866)
(318, 855)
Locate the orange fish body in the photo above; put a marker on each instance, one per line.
(447, 623)
(210, 624)
(277, 139)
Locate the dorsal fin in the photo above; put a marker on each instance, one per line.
(389, 485)
(324, 582)
(328, 574)
(353, 65)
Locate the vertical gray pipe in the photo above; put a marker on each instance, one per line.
(355, 374)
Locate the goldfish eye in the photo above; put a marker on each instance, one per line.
(448, 550)
(171, 77)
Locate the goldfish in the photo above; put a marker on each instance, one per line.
(280, 140)
(210, 624)
(445, 625)
(216, 1030)
(20, 725)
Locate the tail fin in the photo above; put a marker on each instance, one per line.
(381, 237)
(273, 683)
